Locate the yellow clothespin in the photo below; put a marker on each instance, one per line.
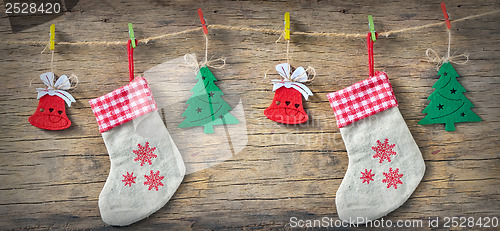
(52, 37)
(287, 26)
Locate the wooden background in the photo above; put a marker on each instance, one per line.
(52, 179)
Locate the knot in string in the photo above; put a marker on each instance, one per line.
(192, 62)
(433, 57)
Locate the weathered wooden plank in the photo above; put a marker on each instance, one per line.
(52, 180)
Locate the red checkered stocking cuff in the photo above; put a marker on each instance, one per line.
(362, 99)
(123, 104)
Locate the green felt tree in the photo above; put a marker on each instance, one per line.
(448, 103)
(206, 107)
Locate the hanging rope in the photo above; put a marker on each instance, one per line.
(251, 29)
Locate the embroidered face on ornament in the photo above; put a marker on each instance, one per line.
(51, 112)
(287, 105)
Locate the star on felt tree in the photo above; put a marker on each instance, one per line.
(206, 106)
(448, 103)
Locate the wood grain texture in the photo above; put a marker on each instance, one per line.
(52, 180)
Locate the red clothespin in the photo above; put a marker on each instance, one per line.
(445, 12)
(203, 23)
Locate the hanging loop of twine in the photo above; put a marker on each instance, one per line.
(310, 69)
(306, 71)
(433, 57)
(73, 80)
(192, 62)
(52, 56)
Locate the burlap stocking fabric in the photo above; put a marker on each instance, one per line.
(385, 163)
(146, 166)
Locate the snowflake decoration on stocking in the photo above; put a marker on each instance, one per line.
(154, 180)
(129, 179)
(145, 153)
(392, 178)
(367, 176)
(384, 150)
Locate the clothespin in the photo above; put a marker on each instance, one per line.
(446, 18)
(131, 34)
(202, 19)
(287, 26)
(52, 39)
(372, 27)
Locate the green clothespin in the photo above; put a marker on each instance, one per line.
(372, 27)
(131, 34)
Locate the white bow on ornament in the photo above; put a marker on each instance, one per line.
(58, 88)
(292, 81)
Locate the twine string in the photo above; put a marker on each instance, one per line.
(433, 57)
(51, 59)
(191, 61)
(310, 69)
(287, 50)
(287, 56)
(449, 43)
(72, 79)
(205, 60)
(73, 83)
(251, 29)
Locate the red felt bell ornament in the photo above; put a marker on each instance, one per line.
(287, 107)
(51, 111)
(50, 114)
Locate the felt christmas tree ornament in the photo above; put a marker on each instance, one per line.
(287, 107)
(146, 166)
(171, 93)
(448, 104)
(206, 106)
(385, 163)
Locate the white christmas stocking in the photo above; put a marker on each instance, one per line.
(146, 166)
(385, 163)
